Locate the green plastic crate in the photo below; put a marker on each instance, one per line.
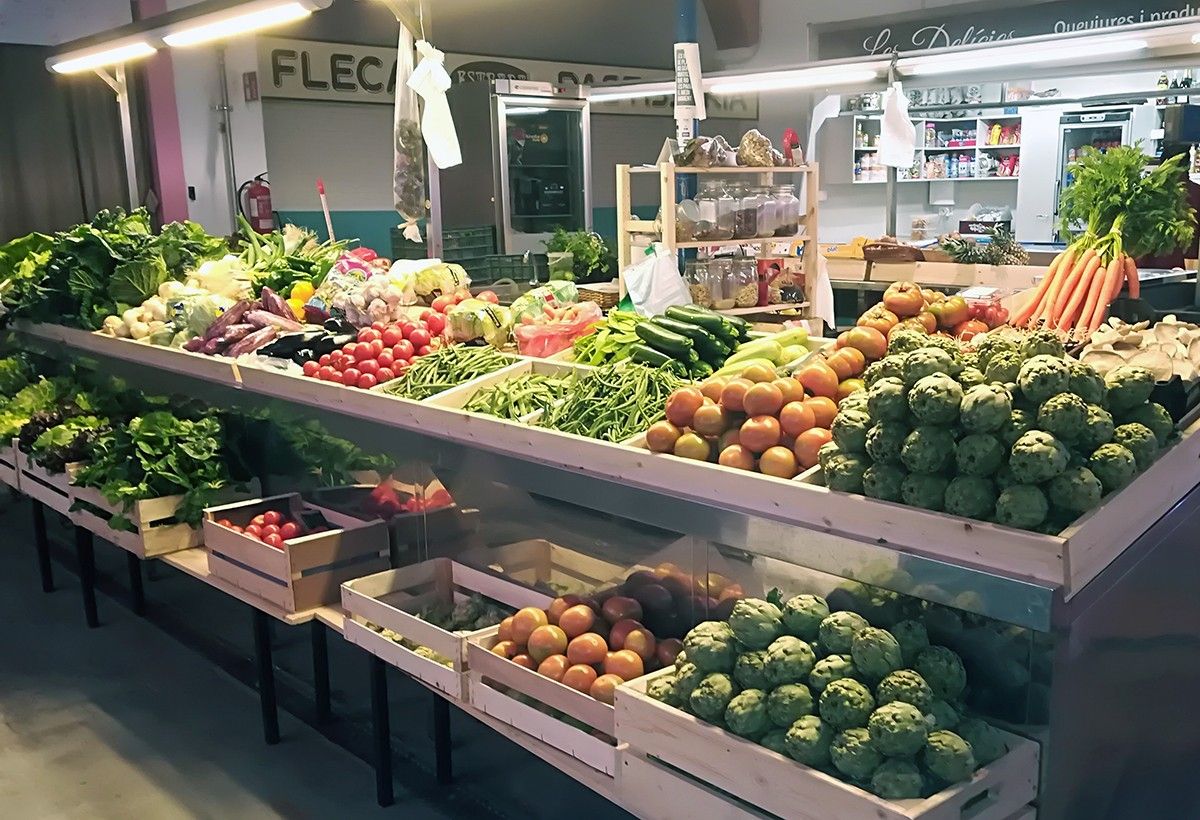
(512, 266)
(458, 244)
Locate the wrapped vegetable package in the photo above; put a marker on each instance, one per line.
(475, 319)
(546, 339)
(555, 293)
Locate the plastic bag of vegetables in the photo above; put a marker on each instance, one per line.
(227, 276)
(554, 293)
(475, 319)
(433, 276)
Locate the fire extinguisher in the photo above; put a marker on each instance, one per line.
(254, 198)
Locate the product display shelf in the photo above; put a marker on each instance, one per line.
(663, 229)
(10, 473)
(782, 786)
(976, 131)
(771, 516)
(52, 489)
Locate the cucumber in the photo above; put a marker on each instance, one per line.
(663, 340)
(647, 355)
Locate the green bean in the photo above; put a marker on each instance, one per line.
(446, 368)
(518, 396)
(613, 403)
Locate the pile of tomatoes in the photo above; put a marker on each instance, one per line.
(272, 527)
(381, 352)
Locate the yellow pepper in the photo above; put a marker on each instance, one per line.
(297, 306)
(302, 291)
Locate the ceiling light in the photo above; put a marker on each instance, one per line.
(640, 91)
(525, 110)
(225, 26)
(800, 78)
(1015, 55)
(108, 56)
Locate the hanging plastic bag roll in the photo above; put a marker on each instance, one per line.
(653, 283)
(408, 158)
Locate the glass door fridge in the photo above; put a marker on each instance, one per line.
(1097, 129)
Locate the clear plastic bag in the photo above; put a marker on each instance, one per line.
(408, 162)
(556, 334)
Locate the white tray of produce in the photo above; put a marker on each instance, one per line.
(52, 489)
(544, 565)
(782, 786)
(391, 599)
(457, 397)
(10, 474)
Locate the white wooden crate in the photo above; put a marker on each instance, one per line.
(9, 472)
(652, 791)
(542, 564)
(52, 489)
(457, 397)
(391, 599)
(586, 748)
(779, 785)
(308, 571)
(155, 529)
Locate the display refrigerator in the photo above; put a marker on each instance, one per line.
(526, 162)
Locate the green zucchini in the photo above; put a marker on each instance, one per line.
(664, 340)
(697, 334)
(645, 354)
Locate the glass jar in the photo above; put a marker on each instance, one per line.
(768, 211)
(744, 277)
(787, 211)
(716, 212)
(696, 275)
(719, 282)
(745, 221)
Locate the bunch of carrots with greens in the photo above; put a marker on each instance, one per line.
(1129, 212)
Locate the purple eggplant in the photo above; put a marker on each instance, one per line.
(194, 345)
(264, 318)
(212, 347)
(235, 333)
(315, 315)
(253, 342)
(273, 302)
(230, 317)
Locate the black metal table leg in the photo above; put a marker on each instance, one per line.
(383, 733)
(266, 676)
(137, 594)
(43, 545)
(87, 574)
(441, 741)
(320, 658)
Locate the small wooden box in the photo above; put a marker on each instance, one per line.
(9, 473)
(391, 599)
(544, 565)
(155, 529)
(309, 570)
(52, 489)
(780, 785)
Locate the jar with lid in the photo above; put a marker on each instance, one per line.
(716, 212)
(696, 275)
(787, 211)
(744, 280)
(718, 283)
(745, 222)
(768, 211)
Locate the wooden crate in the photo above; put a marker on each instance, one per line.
(457, 397)
(155, 529)
(308, 571)
(10, 474)
(653, 791)
(544, 565)
(52, 489)
(779, 785)
(391, 599)
(588, 749)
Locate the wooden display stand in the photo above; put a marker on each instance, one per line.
(52, 489)
(639, 233)
(9, 472)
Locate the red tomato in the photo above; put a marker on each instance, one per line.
(326, 374)
(403, 350)
(442, 302)
(270, 529)
(273, 540)
(419, 338)
(254, 530)
(459, 296)
(236, 528)
(289, 530)
(376, 347)
(324, 360)
(440, 498)
(363, 352)
(224, 522)
(426, 313)
(488, 296)
(368, 334)
(348, 348)
(385, 359)
(369, 366)
(272, 517)
(380, 326)
(258, 519)
(350, 376)
(437, 323)
(406, 328)
(391, 336)
(384, 374)
(310, 368)
(424, 350)
(367, 380)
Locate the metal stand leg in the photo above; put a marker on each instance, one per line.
(87, 574)
(43, 545)
(266, 676)
(137, 595)
(441, 741)
(320, 657)
(383, 733)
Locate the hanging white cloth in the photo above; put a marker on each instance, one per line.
(819, 290)
(897, 134)
(430, 80)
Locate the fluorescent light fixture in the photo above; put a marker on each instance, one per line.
(799, 78)
(525, 109)
(1021, 54)
(640, 91)
(104, 57)
(224, 25)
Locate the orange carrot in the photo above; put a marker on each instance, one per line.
(1118, 281)
(1131, 276)
(1114, 273)
(1035, 299)
(1097, 298)
(1072, 288)
(1064, 270)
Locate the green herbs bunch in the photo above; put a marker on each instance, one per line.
(591, 254)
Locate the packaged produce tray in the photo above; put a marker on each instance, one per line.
(496, 683)
(52, 489)
(457, 397)
(309, 570)
(9, 472)
(439, 524)
(155, 530)
(781, 786)
(546, 566)
(391, 599)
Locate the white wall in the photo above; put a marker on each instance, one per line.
(50, 22)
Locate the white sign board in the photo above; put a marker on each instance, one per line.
(313, 70)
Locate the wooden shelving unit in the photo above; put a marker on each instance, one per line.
(637, 233)
(978, 128)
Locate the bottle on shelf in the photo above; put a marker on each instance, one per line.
(768, 211)
(787, 210)
(717, 212)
